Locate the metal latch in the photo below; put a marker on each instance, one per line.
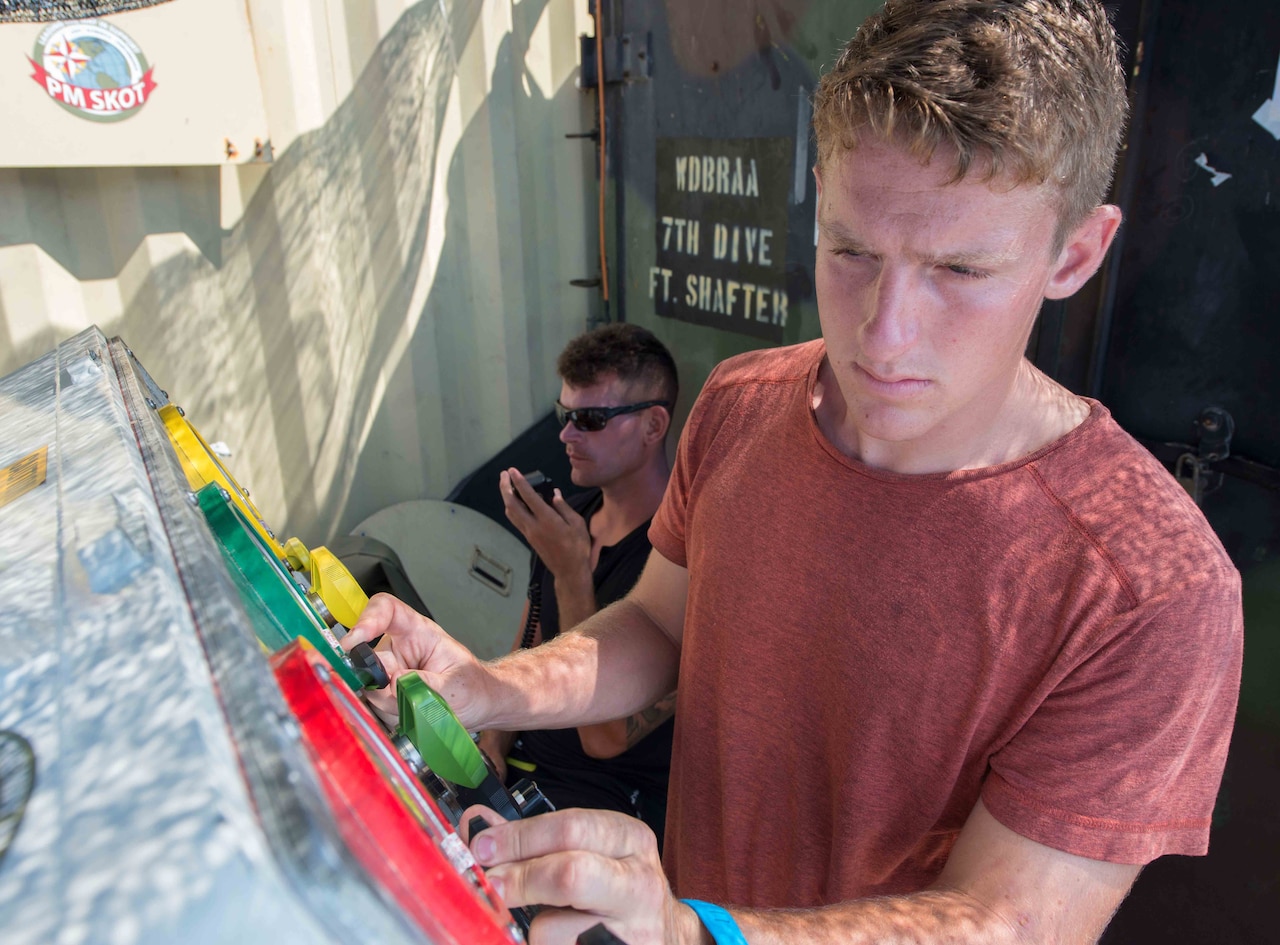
(1214, 428)
(490, 572)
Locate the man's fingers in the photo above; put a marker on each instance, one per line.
(488, 815)
(519, 502)
(585, 882)
(417, 643)
(526, 492)
(584, 865)
(560, 505)
(606, 833)
(385, 615)
(561, 508)
(510, 503)
(383, 703)
(558, 926)
(376, 618)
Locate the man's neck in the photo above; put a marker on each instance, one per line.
(630, 502)
(1034, 412)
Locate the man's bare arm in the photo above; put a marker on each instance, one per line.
(575, 595)
(602, 740)
(494, 743)
(621, 660)
(610, 739)
(576, 601)
(998, 888)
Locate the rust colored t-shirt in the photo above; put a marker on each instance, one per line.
(866, 653)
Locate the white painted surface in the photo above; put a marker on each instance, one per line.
(379, 312)
(207, 93)
(441, 546)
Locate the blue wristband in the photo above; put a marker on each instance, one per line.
(717, 921)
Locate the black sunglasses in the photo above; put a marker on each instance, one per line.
(593, 419)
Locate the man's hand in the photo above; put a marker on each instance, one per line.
(997, 889)
(413, 642)
(584, 867)
(554, 530)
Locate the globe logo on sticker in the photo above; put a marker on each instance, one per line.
(92, 69)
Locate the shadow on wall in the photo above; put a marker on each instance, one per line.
(287, 336)
(92, 220)
(316, 279)
(500, 308)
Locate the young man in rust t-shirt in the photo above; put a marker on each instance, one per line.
(955, 655)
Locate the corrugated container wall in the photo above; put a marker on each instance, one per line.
(373, 314)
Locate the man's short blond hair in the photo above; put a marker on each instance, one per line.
(1026, 90)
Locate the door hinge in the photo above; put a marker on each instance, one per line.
(627, 58)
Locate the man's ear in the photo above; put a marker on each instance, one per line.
(1082, 253)
(817, 177)
(657, 422)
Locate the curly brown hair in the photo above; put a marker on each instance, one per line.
(1029, 90)
(632, 353)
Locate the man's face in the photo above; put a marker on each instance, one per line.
(927, 293)
(602, 457)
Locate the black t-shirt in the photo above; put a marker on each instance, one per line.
(634, 782)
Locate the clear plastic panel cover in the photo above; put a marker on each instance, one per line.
(170, 799)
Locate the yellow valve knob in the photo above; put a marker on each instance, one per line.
(334, 584)
(297, 556)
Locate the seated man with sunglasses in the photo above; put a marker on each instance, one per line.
(619, 387)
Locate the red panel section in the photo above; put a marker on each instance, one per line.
(392, 827)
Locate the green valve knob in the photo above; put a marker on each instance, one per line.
(430, 725)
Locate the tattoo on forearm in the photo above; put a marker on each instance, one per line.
(646, 720)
